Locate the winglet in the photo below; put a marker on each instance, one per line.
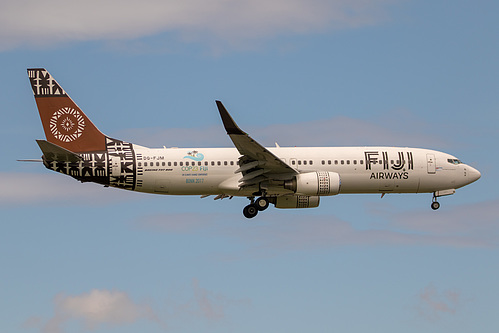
(252, 151)
(229, 123)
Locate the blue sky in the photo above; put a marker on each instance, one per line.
(80, 257)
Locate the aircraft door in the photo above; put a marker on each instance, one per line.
(430, 159)
(115, 166)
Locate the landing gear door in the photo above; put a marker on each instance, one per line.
(430, 159)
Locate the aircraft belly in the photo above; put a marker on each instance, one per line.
(175, 183)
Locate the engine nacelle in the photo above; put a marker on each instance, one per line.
(315, 183)
(297, 201)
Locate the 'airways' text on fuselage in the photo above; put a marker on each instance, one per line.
(389, 175)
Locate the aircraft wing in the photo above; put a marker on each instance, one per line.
(257, 163)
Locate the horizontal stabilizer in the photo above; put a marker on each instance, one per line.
(30, 160)
(53, 152)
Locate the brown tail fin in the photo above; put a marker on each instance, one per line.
(63, 121)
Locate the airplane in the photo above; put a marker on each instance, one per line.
(287, 177)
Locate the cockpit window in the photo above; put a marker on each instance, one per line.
(454, 161)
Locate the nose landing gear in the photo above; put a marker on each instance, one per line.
(435, 204)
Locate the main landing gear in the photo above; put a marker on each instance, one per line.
(255, 206)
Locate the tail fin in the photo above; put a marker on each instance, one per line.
(64, 123)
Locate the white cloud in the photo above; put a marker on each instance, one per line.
(47, 188)
(33, 22)
(469, 225)
(105, 308)
(204, 304)
(433, 303)
(213, 136)
(341, 131)
(472, 226)
(209, 306)
(97, 308)
(346, 131)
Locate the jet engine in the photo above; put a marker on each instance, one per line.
(314, 183)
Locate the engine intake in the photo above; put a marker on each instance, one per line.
(315, 183)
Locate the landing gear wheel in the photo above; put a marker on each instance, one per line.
(262, 203)
(435, 205)
(250, 211)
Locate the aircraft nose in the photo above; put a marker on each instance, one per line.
(473, 174)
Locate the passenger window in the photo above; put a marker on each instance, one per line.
(342, 162)
(157, 163)
(299, 162)
(231, 162)
(199, 163)
(293, 162)
(174, 163)
(206, 163)
(361, 161)
(219, 163)
(329, 162)
(140, 164)
(354, 161)
(181, 163)
(187, 163)
(304, 162)
(335, 161)
(323, 162)
(311, 162)
(225, 162)
(169, 163)
(163, 163)
(348, 162)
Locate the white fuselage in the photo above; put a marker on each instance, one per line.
(211, 171)
(285, 177)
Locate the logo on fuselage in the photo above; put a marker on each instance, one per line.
(195, 156)
(381, 158)
(392, 168)
(67, 124)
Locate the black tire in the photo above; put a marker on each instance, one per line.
(435, 205)
(262, 203)
(250, 211)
